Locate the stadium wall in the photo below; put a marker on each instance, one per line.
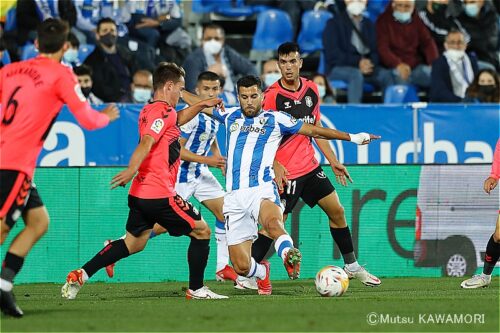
(380, 208)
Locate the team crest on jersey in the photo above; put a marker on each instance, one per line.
(309, 101)
(263, 121)
(234, 127)
(203, 136)
(157, 125)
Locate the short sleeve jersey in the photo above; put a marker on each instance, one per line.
(296, 151)
(495, 167)
(32, 95)
(157, 174)
(252, 143)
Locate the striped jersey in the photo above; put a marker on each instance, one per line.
(200, 133)
(252, 143)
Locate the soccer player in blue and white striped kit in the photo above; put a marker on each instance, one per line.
(252, 137)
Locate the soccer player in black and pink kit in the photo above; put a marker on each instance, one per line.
(305, 178)
(32, 94)
(152, 197)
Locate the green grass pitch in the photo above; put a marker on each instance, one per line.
(400, 304)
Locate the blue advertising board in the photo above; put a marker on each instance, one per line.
(433, 133)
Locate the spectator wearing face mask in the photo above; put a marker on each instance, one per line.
(481, 22)
(141, 88)
(111, 64)
(325, 91)
(485, 88)
(215, 56)
(453, 71)
(404, 44)
(437, 17)
(84, 75)
(350, 48)
(70, 57)
(270, 72)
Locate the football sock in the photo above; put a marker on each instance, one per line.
(222, 250)
(111, 253)
(282, 245)
(256, 270)
(197, 259)
(260, 247)
(491, 256)
(11, 266)
(342, 237)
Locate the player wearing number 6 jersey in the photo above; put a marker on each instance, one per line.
(32, 94)
(252, 138)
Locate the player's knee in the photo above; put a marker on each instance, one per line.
(274, 226)
(337, 216)
(202, 231)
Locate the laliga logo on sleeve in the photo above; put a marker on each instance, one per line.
(157, 125)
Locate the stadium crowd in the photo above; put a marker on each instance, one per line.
(444, 51)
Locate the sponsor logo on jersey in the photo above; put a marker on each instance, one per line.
(254, 129)
(157, 125)
(309, 119)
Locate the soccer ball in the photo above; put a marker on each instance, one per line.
(331, 281)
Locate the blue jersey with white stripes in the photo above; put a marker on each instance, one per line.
(200, 133)
(252, 143)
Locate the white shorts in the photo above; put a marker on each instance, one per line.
(241, 211)
(205, 187)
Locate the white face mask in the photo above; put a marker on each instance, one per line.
(271, 78)
(455, 55)
(403, 17)
(141, 95)
(356, 8)
(212, 47)
(321, 90)
(71, 56)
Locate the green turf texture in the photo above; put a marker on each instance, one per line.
(294, 306)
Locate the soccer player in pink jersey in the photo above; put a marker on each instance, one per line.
(493, 247)
(32, 94)
(152, 196)
(306, 179)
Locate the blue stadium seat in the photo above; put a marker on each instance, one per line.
(28, 51)
(310, 35)
(84, 50)
(338, 84)
(274, 27)
(375, 8)
(400, 93)
(10, 20)
(232, 9)
(202, 6)
(5, 58)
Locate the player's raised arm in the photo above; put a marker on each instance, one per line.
(332, 134)
(206, 105)
(141, 151)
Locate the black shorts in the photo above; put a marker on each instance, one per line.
(311, 187)
(173, 213)
(17, 194)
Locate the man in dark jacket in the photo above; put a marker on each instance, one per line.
(351, 56)
(480, 20)
(453, 71)
(111, 64)
(216, 57)
(404, 43)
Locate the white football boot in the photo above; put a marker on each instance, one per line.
(476, 281)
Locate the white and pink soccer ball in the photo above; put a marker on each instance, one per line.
(331, 281)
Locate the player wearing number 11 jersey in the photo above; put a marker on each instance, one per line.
(32, 94)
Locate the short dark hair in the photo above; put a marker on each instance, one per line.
(104, 20)
(212, 26)
(83, 70)
(249, 81)
(73, 40)
(208, 76)
(52, 34)
(287, 48)
(166, 71)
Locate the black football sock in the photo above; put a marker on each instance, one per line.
(491, 256)
(197, 259)
(342, 237)
(11, 266)
(111, 253)
(260, 247)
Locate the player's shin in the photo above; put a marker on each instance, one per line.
(491, 256)
(111, 253)
(197, 259)
(222, 250)
(343, 239)
(10, 267)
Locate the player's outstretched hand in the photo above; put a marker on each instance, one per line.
(341, 174)
(216, 161)
(122, 178)
(112, 112)
(363, 138)
(490, 184)
(213, 102)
